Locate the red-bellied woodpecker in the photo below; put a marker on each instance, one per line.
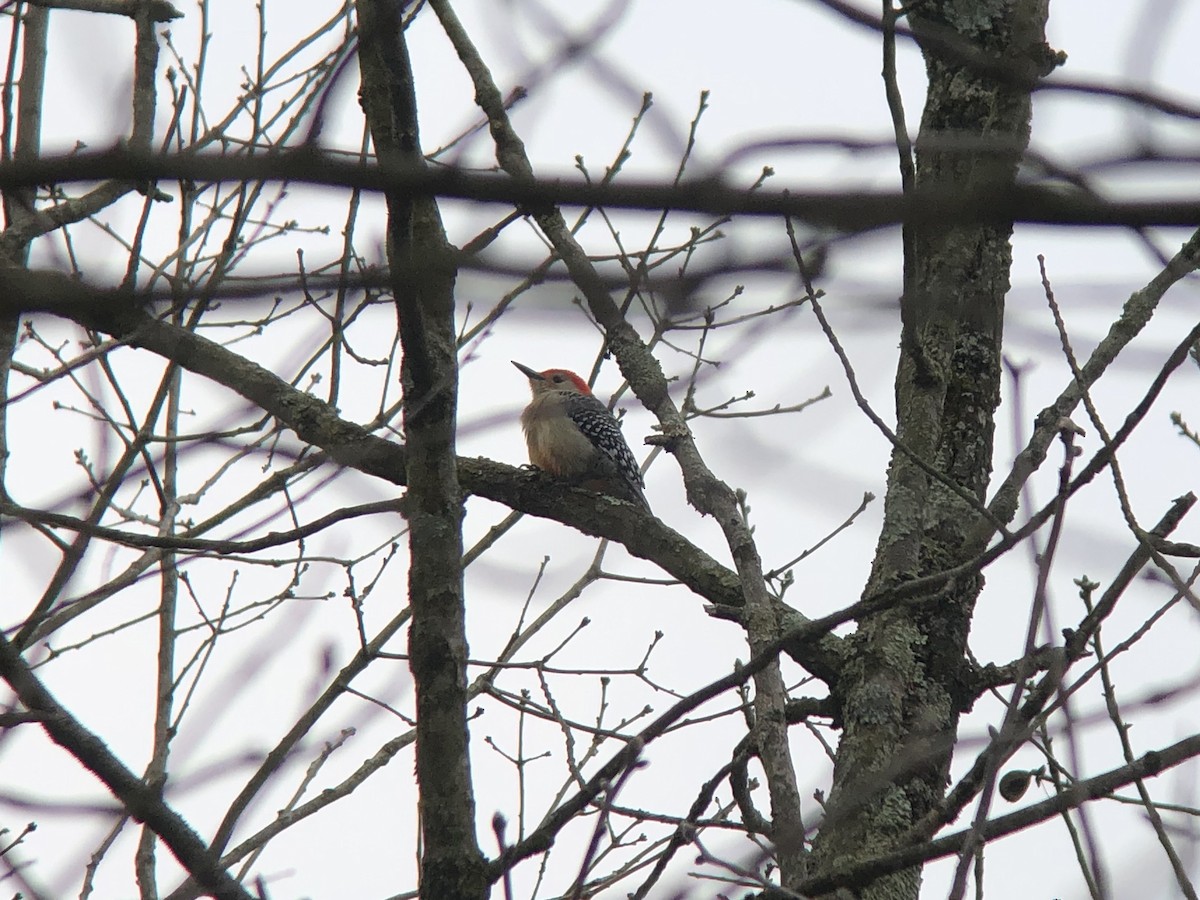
(572, 435)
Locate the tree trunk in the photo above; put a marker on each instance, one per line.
(903, 692)
(423, 277)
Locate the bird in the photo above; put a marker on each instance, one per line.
(572, 435)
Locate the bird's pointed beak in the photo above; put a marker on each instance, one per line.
(528, 372)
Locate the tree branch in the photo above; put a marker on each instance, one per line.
(929, 204)
(141, 801)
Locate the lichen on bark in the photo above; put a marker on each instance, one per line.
(903, 691)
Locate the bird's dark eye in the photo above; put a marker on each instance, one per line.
(558, 379)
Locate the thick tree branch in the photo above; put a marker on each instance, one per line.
(155, 10)
(351, 445)
(930, 204)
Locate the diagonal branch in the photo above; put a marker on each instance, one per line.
(1136, 314)
(868, 870)
(141, 801)
(708, 494)
(351, 445)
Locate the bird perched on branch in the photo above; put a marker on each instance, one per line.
(572, 435)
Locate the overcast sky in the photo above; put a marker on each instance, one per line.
(776, 70)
